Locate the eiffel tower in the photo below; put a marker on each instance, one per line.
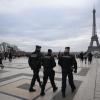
(94, 37)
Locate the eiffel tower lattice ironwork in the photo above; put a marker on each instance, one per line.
(94, 37)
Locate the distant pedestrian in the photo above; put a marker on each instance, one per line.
(5, 55)
(1, 64)
(85, 57)
(10, 56)
(90, 57)
(81, 56)
(59, 54)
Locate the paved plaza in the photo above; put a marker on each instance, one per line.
(15, 80)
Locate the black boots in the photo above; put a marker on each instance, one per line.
(73, 89)
(42, 93)
(63, 95)
(32, 90)
(63, 92)
(55, 89)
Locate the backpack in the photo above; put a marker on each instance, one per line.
(48, 62)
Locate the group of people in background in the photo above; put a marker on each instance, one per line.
(4, 56)
(1, 64)
(83, 56)
(65, 60)
(87, 56)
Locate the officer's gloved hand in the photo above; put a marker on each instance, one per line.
(75, 71)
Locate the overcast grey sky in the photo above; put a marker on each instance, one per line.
(49, 23)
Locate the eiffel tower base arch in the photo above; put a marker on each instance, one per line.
(93, 49)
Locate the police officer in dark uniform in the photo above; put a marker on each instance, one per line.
(67, 61)
(35, 64)
(48, 63)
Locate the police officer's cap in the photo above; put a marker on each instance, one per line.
(49, 50)
(38, 47)
(67, 47)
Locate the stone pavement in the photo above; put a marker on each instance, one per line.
(15, 79)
